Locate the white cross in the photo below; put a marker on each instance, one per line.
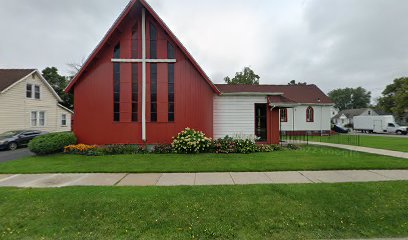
(144, 60)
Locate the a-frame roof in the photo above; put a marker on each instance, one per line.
(121, 17)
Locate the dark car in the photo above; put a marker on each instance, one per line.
(14, 139)
(340, 129)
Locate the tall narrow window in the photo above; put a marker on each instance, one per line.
(309, 114)
(153, 41)
(135, 80)
(34, 119)
(260, 122)
(284, 115)
(116, 85)
(29, 91)
(170, 55)
(153, 92)
(153, 74)
(41, 119)
(37, 92)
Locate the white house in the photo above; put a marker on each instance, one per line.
(345, 117)
(302, 108)
(28, 102)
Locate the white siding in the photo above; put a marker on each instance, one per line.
(15, 108)
(235, 115)
(322, 117)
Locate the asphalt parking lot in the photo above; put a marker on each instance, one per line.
(6, 155)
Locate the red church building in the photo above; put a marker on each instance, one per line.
(141, 86)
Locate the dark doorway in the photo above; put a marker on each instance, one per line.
(261, 122)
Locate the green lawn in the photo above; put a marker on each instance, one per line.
(308, 158)
(381, 142)
(315, 211)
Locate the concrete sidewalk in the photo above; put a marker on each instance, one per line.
(199, 179)
(363, 149)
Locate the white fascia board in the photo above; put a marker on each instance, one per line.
(48, 85)
(65, 108)
(252, 94)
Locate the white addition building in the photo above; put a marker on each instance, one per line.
(302, 109)
(28, 102)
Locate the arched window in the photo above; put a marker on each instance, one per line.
(284, 115)
(309, 114)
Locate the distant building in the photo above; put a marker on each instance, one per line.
(345, 117)
(28, 102)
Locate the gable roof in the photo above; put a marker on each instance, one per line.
(11, 77)
(121, 17)
(350, 113)
(307, 94)
(8, 77)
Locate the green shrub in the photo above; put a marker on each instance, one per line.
(268, 148)
(163, 149)
(224, 145)
(191, 141)
(234, 145)
(119, 149)
(52, 143)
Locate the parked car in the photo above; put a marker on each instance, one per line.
(14, 139)
(340, 129)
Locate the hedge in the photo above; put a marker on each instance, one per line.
(52, 143)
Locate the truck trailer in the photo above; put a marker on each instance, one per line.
(378, 124)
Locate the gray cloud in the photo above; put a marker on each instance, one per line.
(332, 43)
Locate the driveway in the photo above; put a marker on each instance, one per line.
(13, 155)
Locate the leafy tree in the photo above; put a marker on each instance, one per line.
(293, 82)
(59, 83)
(247, 76)
(350, 98)
(395, 97)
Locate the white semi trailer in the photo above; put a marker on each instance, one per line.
(378, 124)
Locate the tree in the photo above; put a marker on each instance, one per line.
(247, 76)
(350, 98)
(395, 97)
(293, 82)
(59, 83)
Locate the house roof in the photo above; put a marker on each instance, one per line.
(121, 17)
(350, 113)
(309, 94)
(8, 77)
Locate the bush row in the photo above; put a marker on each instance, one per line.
(188, 141)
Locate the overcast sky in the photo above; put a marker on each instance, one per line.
(331, 43)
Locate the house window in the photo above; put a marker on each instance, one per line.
(309, 114)
(37, 93)
(170, 55)
(64, 120)
(284, 115)
(116, 85)
(260, 122)
(135, 82)
(34, 119)
(29, 91)
(41, 119)
(38, 118)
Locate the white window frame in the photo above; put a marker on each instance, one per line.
(32, 92)
(36, 119)
(43, 119)
(64, 121)
(39, 92)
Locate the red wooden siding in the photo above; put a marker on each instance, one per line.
(94, 94)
